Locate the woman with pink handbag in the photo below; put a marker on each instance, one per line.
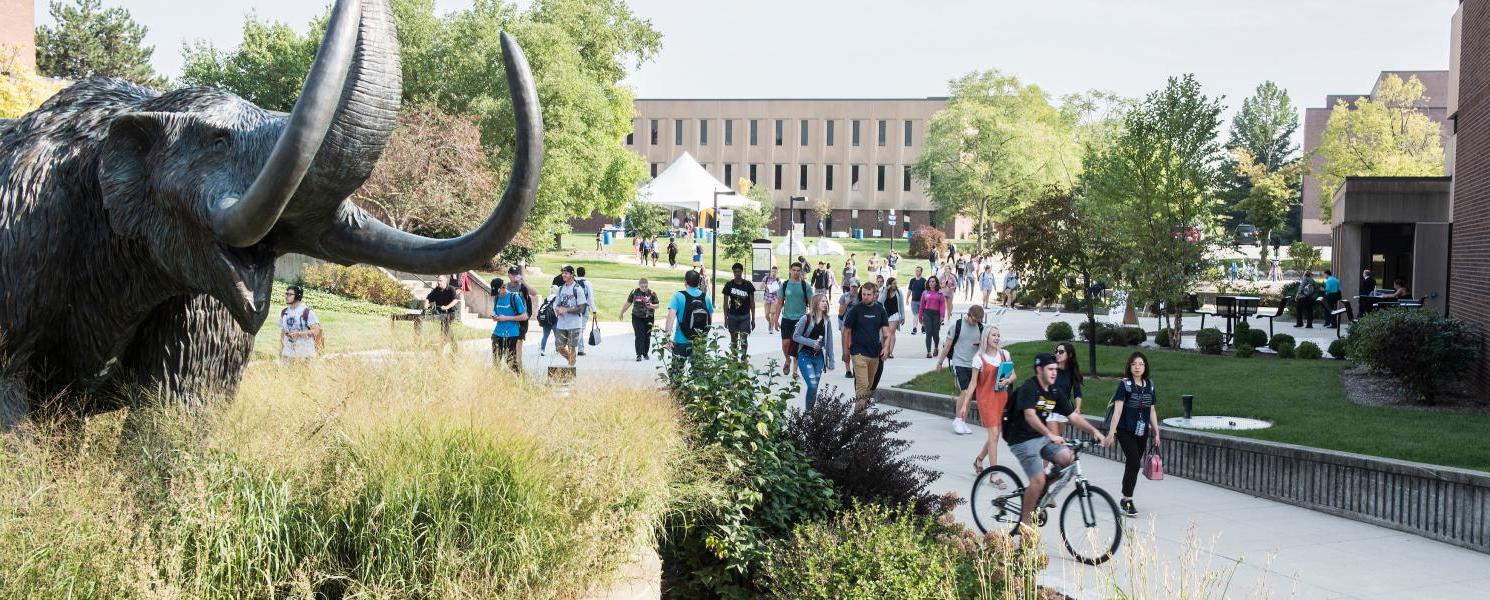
(1132, 420)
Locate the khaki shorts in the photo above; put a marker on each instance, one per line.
(568, 338)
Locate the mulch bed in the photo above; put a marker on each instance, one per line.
(1370, 389)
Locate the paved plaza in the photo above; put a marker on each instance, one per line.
(1248, 546)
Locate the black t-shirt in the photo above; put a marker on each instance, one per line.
(866, 323)
(439, 297)
(641, 304)
(1368, 285)
(820, 279)
(1063, 381)
(918, 286)
(739, 297)
(1137, 402)
(672, 249)
(1029, 395)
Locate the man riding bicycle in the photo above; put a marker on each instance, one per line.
(1031, 441)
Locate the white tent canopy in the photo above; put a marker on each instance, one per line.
(685, 184)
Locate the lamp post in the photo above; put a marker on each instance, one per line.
(791, 224)
(714, 247)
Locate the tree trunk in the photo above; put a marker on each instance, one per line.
(982, 224)
(1177, 334)
(1091, 319)
(1262, 242)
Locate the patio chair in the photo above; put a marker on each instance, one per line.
(1195, 308)
(1282, 306)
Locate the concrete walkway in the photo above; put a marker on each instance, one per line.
(1190, 537)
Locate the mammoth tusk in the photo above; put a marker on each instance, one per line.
(242, 221)
(357, 237)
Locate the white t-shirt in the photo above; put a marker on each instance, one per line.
(298, 319)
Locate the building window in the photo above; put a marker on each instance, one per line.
(780, 130)
(753, 180)
(753, 127)
(631, 135)
(729, 132)
(802, 178)
(804, 132)
(703, 132)
(829, 140)
(654, 170)
(855, 134)
(678, 132)
(778, 177)
(883, 126)
(853, 178)
(729, 175)
(905, 178)
(907, 132)
(880, 179)
(828, 177)
(654, 132)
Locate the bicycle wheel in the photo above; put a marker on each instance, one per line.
(998, 494)
(1091, 526)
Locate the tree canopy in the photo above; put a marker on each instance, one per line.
(434, 177)
(21, 90)
(579, 51)
(1264, 128)
(90, 41)
(1386, 135)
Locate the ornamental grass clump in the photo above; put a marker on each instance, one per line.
(398, 479)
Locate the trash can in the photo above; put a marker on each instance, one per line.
(605, 237)
(858, 234)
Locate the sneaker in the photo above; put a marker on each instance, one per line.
(581, 352)
(1128, 509)
(639, 358)
(873, 404)
(913, 329)
(959, 427)
(542, 353)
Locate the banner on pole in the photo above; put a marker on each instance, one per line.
(726, 221)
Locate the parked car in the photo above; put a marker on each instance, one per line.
(1245, 235)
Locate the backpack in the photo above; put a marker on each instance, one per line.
(304, 317)
(1306, 288)
(546, 315)
(695, 319)
(957, 333)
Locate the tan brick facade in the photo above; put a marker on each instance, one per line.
(18, 30)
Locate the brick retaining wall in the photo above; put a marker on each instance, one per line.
(1441, 503)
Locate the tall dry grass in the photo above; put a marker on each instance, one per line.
(412, 478)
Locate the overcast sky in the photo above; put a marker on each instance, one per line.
(899, 48)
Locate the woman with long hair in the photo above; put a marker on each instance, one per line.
(990, 390)
(770, 288)
(1067, 380)
(1133, 422)
(814, 338)
(933, 309)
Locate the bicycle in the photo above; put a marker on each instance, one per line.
(1098, 532)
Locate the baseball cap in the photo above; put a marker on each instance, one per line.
(567, 269)
(1044, 358)
(514, 270)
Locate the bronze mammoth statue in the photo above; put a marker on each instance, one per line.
(138, 230)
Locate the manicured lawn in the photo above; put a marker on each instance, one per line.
(350, 326)
(1304, 400)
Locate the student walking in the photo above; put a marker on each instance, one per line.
(770, 291)
(917, 286)
(672, 253)
(1011, 289)
(299, 328)
(509, 310)
(933, 309)
(1069, 380)
(689, 317)
(992, 377)
(1134, 422)
(516, 285)
(739, 310)
(814, 338)
(868, 340)
(582, 281)
(572, 300)
(1304, 301)
(1331, 297)
(964, 339)
(894, 303)
(643, 303)
(791, 306)
(847, 300)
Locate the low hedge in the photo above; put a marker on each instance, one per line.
(1208, 340)
(1245, 351)
(358, 281)
(1059, 331)
(1309, 351)
(1279, 340)
(1420, 349)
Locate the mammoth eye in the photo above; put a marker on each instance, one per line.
(220, 142)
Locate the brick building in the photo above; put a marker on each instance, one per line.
(18, 31)
(1469, 270)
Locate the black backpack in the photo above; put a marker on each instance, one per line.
(546, 315)
(695, 319)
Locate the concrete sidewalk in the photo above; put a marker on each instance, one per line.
(1189, 536)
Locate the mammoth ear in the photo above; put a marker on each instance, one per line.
(123, 168)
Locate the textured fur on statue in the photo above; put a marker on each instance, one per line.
(138, 230)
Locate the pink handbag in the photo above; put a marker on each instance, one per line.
(1153, 465)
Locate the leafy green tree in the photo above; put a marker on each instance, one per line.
(1271, 195)
(646, 220)
(996, 144)
(579, 51)
(1387, 135)
(748, 225)
(1264, 127)
(21, 90)
(90, 41)
(1152, 192)
(1302, 257)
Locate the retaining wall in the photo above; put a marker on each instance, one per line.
(1441, 503)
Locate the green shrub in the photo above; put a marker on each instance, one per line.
(1130, 336)
(874, 552)
(861, 455)
(359, 281)
(1337, 348)
(1245, 351)
(1286, 349)
(1309, 351)
(1162, 337)
(1256, 338)
(1059, 331)
(1208, 340)
(1420, 349)
(716, 548)
(924, 239)
(1279, 340)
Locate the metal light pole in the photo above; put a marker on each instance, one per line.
(791, 224)
(714, 248)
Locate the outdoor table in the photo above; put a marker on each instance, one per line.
(1233, 308)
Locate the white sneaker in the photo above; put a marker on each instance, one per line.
(960, 427)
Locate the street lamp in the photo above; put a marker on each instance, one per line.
(714, 247)
(791, 224)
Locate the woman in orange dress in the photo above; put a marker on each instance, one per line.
(991, 392)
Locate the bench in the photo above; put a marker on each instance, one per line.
(1282, 306)
(1343, 310)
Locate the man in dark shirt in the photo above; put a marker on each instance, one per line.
(739, 310)
(868, 340)
(443, 299)
(1030, 440)
(917, 286)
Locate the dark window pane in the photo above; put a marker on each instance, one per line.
(802, 178)
(729, 132)
(753, 180)
(907, 132)
(828, 177)
(654, 132)
(804, 132)
(754, 125)
(853, 178)
(654, 170)
(856, 132)
(883, 125)
(631, 137)
(829, 141)
(780, 130)
(778, 177)
(703, 132)
(729, 175)
(905, 178)
(880, 180)
(678, 132)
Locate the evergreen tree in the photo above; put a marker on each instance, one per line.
(90, 41)
(1264, 128)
